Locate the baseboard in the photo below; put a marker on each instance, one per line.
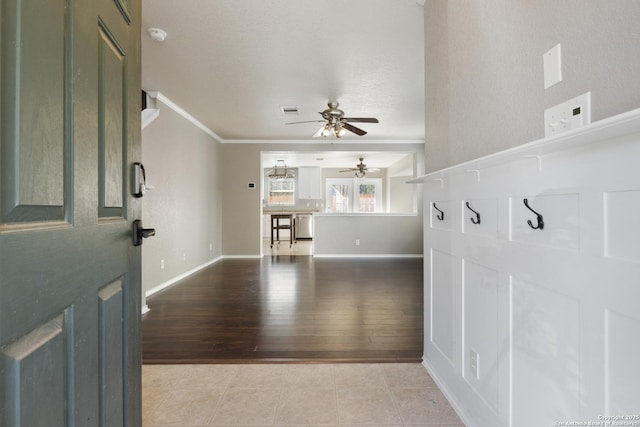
(368, 256)
(170, 282)
(457, 406)
(241, 256)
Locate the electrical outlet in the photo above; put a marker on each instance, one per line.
(569, 115)
(161, 264)
(184, 256)
(357, 242)
(210, 247)
(474, 363)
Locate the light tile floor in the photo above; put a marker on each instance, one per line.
(400, 394)
(301, 247)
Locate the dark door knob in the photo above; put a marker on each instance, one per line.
(140, 233)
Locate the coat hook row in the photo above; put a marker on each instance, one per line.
(440, 216)
(475, 220)
(540, 218)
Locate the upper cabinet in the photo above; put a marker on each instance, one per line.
(309, 183)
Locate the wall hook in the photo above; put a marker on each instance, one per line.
(540, 225)
(475, 220)
(441, 215)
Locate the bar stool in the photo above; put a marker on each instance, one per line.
(277, 225)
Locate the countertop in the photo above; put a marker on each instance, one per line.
(289, 211)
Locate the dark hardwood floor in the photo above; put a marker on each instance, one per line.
(290, 308)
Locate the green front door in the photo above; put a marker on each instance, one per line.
(69, 275)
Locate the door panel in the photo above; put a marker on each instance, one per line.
(41, 353)
(33, 107)
(111, 116)
(112, 356)
(69, 275)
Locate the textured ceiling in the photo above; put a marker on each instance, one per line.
(232, 64)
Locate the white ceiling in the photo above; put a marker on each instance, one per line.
(232, 64)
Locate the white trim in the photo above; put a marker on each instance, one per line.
(602, 130)
(175, 107)
(149, 115)
(170, 282)
(327, 141)
(241, 256)
(455, 404)
(145, 309)
(368, 256)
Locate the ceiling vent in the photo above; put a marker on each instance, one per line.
(289, 110)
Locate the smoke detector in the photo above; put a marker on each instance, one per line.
(157, 35)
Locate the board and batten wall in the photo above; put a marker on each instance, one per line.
(550, 316)
(533, 327)
(184, 205)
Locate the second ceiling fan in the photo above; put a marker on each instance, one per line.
(336, 123)
(361, 169)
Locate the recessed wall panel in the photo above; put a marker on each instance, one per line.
(545, 355)
(443, 310)
(561, 219)
(31, 366)
(442, 214)
(622, 371)
(32, 166)
(487, 225)
(622, 228)
(111, 110)
(480, 289)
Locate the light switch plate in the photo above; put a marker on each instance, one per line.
(552, 61)
(569, 115)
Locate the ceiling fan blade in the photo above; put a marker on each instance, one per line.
(354, 129)
(361, 119)
(349, 170)
(307, 121)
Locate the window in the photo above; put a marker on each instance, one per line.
(341, 197)
(282, 191)
(367, 197)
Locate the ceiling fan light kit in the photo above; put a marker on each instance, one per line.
(361, 169)
(336, 123)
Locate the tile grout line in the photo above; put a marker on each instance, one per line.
(393, 397)
(220, 400)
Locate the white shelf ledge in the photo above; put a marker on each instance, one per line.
(612, 127)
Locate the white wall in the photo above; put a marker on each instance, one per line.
(551, 314)
(377, 235)
(548, 312)
(484, 72)
(181, 162)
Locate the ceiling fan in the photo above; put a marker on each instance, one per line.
(361, 169)
(336, 123)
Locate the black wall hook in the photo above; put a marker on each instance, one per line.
(540, 225)
(475, 220)
(441, 215)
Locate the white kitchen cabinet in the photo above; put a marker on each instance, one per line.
(309, 183)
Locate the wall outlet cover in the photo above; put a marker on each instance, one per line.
(552, 61)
